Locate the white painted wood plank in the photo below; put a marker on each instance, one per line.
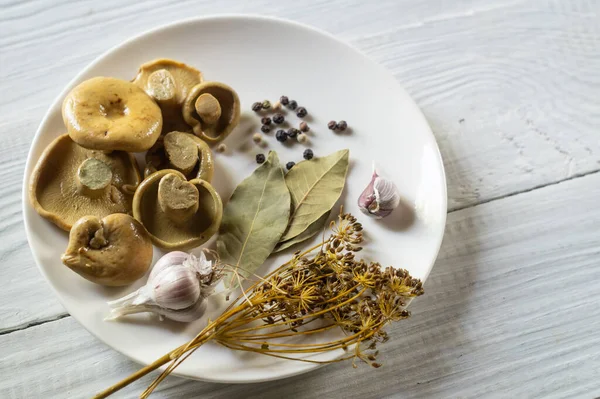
(495, 64)
(523, 91)
(57, 39)
(511, 94)
(44, 44)
(510, 310)
(27, 298)
(524, 77)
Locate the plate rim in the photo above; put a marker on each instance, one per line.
(188, 21)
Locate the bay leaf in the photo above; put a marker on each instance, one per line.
(315, 187)
(315, 228)
(254, 219)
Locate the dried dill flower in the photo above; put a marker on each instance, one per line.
(325, 287)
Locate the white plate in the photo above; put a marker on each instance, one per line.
(265, 58)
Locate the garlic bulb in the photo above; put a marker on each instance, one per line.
(380, 197)
(177, 288)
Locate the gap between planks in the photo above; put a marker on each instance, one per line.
(528, 190)
(34, 323)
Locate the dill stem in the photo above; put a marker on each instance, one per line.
(137, 375)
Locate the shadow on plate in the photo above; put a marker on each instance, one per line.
(423, 350)
(415, 360)
(242, 134)
(401, 218)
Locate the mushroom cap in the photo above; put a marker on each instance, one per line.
(54, 191)
(168, 82)
(115, 250)
(181, 151)
(111, 114)
(229, 103)
(164, 231)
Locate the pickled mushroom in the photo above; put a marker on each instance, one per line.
(169, 82)
(178, 214)
(110, 114)
(184, 152)
(213, 111)
(114, 251)
(70, 182)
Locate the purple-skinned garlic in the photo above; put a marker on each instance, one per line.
(176, 289)
(380, 197)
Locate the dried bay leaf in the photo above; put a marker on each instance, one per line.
(315, 187)
(254, 219)
(315, 228)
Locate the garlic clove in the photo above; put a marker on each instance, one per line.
(171, 258)
(380, 197)
(185, 315)
(367, 197)
(175, 287)
(387, 196)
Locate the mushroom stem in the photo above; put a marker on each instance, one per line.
(182, 151)
(93, 177)
(98, 240)
(178, 199)
(161, 86)
(208, 108)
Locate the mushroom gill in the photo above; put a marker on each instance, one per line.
(168, 82)
(178, 214)
(213, 111)
(184, 152)
(69, 182)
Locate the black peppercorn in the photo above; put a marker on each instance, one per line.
(266, 104)
(304, 127)
(284, 100)
(290, 165)
(293, 132)
(281, 135)
(265, 120)
(301, 112)
(256, 106)
(265, 128)
(308, 154)
(292, 105)
(278, 118)
(260, 158)
(341, 126)
(332, 125)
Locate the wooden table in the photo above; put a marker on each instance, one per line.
(511, 89)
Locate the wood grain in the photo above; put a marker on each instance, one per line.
(510, 88)
(499, 85)
(27, 299)
(510, 311)
(509, 98)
